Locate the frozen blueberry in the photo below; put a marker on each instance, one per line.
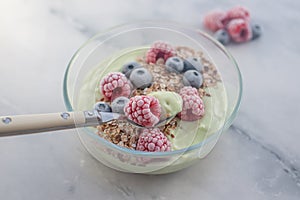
(192, 63)
(129, 67)
(118, 104)
(141, 78)
(102, 107)
(174, 64)
(256, 31)
(192, 78)
(222, 36)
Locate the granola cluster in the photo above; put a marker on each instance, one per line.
(120, 133)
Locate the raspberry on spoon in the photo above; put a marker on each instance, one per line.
(143, 110)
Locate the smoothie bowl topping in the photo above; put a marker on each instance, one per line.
(163, 82)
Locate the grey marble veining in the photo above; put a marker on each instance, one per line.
(258, 158)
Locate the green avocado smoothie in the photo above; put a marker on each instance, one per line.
(187, 133)
(171, 102)
(201, 133)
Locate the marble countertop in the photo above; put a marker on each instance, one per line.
(257, 158)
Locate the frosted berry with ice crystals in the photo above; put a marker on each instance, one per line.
(118, 104)
(114, 85)
(102, 107)
(129, 67)
(174, 64)
(192, 63)
(189, 90)
(222, 36)
(153, 140)
(192, 109)
(256, 31)
(215, 20)
(239, 30)
(238, 12)
(141, 78)
(192, 78)
(158, 50)
(143, 110)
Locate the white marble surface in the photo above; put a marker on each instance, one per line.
(258, 158)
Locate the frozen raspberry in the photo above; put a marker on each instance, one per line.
(114, 85)
(238, 12)
(239, 30)
(143, 110)
(192, 109)
(215, 20)
(189, 90)
(153, 140)
(158, 50)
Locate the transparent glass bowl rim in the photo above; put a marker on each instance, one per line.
(156, 24)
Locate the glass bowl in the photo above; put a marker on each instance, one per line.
(121, 40)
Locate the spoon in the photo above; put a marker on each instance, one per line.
(28, 124)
